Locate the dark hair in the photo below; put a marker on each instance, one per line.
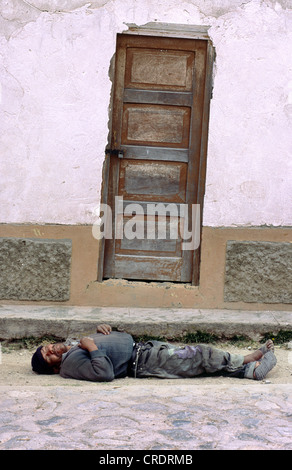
(39, 364)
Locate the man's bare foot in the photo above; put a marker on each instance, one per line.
(258, 354)
(268, 346)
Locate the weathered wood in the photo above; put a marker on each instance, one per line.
(153, 181)
(157, 97)
(159, 107)
(159, 69)
(156, 125)
(145, 268)
(203, 151)
(146, 232)
(169, 30)
(155, 153)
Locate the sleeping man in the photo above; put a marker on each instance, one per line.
(109, 355)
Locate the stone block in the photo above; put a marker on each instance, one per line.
(258, 271)
(35, 269)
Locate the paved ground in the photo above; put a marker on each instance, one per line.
(38, 412)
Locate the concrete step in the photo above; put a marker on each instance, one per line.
(20, 321)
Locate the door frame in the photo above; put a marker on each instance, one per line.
(172, 31)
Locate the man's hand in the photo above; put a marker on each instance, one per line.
(104, 329)
(88, 344)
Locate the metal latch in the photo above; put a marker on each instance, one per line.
(118, 152)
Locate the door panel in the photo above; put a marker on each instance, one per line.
(150, 245)
(152, 181)
(158, 69)
(156, 125)
(156, 269)
(155, 152)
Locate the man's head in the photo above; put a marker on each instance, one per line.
(47, 359)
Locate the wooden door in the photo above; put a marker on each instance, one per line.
(155, 157)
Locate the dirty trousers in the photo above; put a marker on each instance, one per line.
(163, 360)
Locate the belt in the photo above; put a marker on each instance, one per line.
(135, 358)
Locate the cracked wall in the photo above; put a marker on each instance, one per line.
(55, 94)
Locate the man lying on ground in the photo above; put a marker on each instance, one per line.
(109, 354)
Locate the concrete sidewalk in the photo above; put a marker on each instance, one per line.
(149, 415)
(19, 321)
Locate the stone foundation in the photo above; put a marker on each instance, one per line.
(35, 269)
(241, 269)
(258, 272)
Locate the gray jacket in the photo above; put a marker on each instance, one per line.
(110, 361)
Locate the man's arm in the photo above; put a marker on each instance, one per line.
(88, 344)
(104, 329)
(95, 368)
(100, 368)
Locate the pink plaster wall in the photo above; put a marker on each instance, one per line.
(55, 95)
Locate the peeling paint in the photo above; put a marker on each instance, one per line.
(55, 99)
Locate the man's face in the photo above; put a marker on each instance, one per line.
(52, 353)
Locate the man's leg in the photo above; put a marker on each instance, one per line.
(259, 363)
(167, 361)
(255, 365)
